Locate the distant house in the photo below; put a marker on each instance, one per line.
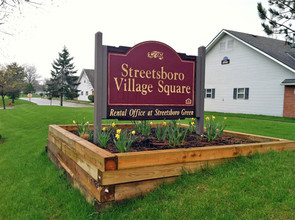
(86, 85)
(250, 74)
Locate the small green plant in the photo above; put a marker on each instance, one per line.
(83, 129)
(214, 129)
(143, 127)
(123, 140)
(104, 136)
(90, 135)
(176, 134)
(192, 125)
(161, 131)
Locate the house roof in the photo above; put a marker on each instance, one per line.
(276, 50)
(90, 75)
(289, 82)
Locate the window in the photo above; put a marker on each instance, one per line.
(241, 93)
(84, 81)
(209, 93)
(230, 44)
(81, 92)
(226, 45)
(86, 93)
(222, 46)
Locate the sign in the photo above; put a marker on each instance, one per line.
(225, 60)
(150, 81)
(147, 81)
(29, 96)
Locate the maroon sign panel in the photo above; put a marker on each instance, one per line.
(150, 81)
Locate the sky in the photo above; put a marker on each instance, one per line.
(35, 35)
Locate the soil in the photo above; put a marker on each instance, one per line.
(150, 143)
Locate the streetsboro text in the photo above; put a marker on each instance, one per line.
(128, 83)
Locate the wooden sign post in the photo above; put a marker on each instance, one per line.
(149, 81)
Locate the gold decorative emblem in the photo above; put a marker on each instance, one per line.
(156, 54)
(188, 101)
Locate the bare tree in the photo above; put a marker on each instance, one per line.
(31, 79)
(31, 75)
(7, 7)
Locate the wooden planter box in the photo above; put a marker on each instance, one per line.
(104, 177)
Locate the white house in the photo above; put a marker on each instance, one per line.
(86, 85)
(250, 74)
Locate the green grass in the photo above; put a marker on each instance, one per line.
(17, 102)
(249, 188)
(257, 124)
(31, 187)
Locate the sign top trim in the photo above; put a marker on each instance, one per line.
(153, 42)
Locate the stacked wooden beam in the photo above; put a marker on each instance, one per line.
(104, 177)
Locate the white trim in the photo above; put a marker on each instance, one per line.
(288, 84)
(83, 71)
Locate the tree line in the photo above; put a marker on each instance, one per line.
(15, 79)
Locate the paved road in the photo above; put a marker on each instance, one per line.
(40, 101)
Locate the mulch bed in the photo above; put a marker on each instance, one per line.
(150, 143)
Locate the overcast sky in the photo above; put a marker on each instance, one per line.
(35, 36)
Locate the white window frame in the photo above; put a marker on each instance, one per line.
(227, 45)
(210, 93)
(241, 93)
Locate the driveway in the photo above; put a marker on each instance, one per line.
(40, 101)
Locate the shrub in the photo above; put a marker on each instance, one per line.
(91, 98)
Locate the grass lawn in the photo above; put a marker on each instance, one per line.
(18, 102)
(31, 187)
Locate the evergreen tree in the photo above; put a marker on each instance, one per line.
(63, 83)
(279, 18)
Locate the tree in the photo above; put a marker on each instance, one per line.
(279, 18)
(31, 79)
(63, 83)
(7, 7)
(11, 81)
(29, 88)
